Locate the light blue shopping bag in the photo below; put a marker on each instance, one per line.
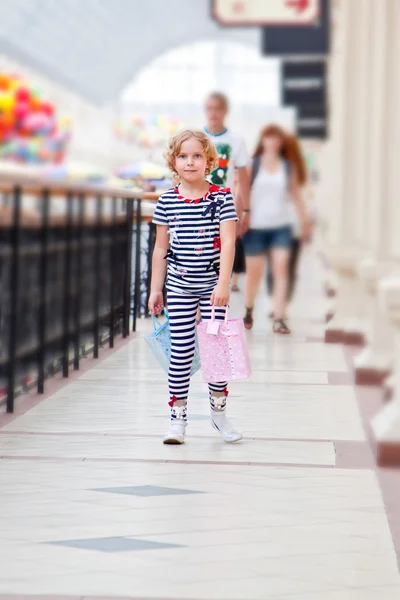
(159, 342)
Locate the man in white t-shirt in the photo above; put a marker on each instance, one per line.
(232, 154)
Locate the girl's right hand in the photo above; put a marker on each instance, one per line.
(156, 303)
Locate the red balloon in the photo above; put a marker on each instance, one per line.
(21, 110)
(24, 132)
(47, 108)
(22, 94)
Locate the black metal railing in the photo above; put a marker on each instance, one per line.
(68, 284)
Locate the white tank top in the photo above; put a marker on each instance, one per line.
(269, 200)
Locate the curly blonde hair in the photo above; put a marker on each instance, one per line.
(175, 143)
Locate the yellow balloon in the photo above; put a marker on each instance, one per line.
(7, 102)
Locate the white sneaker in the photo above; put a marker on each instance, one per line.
(227, 431)
(176, 433)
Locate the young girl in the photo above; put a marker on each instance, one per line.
(195, 245)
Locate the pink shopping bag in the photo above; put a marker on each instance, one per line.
(224, 354)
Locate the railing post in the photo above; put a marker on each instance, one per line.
(98, 246)
(44, 261)
(138, 248)
(79, 258)
(128, 271)
(14, 297)
(67, 288)
(113, 265)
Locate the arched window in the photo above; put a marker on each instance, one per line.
(185, 75)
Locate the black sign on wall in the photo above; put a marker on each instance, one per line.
(304, 85)
(312, 122)
(295, 40)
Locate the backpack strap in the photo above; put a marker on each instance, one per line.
(288, 168)
(255, 167)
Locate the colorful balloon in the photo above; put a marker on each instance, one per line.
(21, 110)
(7, 102)
(29, 129)
(4, 81)
(35, 103)
(148, 131)
(35, 121)
(48, 108)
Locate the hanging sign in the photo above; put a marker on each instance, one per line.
(236, 13)
(307, 40)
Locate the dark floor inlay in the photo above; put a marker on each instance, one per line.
(147, 491)
(115, 544)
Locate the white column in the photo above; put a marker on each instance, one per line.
(348, 246)
(374, 363)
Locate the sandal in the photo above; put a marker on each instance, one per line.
(281, 327)
(248, 319)
(271, 315)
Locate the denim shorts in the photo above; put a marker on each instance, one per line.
(260, 241)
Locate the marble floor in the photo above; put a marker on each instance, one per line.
(92, 504)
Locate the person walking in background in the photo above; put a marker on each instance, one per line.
(195, 245)
(231, 170)
(276, 175)
(233, 157)
(296, 246)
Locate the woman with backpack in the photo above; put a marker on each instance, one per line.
(296, 248)
(277, 173)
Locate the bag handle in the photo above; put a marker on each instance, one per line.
(226, 313)
(156, 323)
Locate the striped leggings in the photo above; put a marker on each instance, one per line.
(182, 310)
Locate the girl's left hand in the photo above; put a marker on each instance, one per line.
(220, 295)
